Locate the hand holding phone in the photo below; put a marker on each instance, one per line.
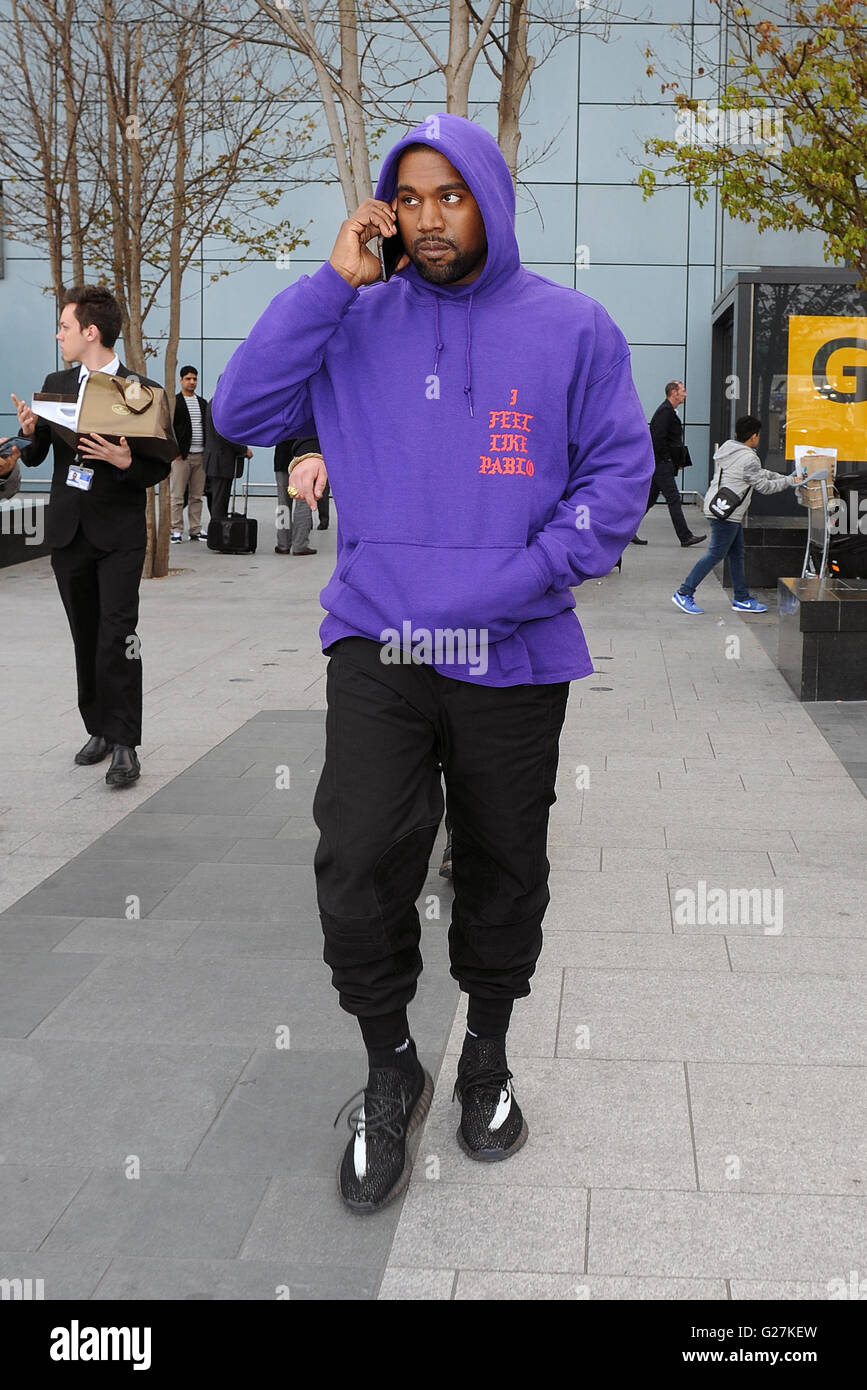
(8, 446)
(351, 257)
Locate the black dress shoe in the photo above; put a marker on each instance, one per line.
(93, 751)
(693, 540)
(124, 767)
(636, 540)
(322, 526)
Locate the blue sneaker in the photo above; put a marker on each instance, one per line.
(749, 605)
(687, 603)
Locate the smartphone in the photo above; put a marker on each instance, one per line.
(390, 250)
(9, 444)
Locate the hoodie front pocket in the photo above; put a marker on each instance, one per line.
(387, 584)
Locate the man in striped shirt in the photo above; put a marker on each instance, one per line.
(188, 469)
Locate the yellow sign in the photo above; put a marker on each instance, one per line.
(826, 398)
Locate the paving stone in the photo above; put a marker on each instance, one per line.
(147, 936)
(783, 1290)
(63, 1276)
(171, 1214)
(315, 717)
(93, 1104)
(242, 827)
(634, 951)
(725, 1235)
(228, 1002)
(479, 1284)
(178, 847)
(279, 1118)
(129, 1280)
(751, 866)
(798, 955)
(233, 797)
(417, 1285)
(293, 938)
(592, 1124)
(750, 1133)
(712, 1016)
(94, 887)
(296, 1222)
(33, 984)
(219, 763)
(449, 1226)
(280, 850)
(23, 934)
(31, 1200)
(269, 892)
(615, 901)
(812, 905)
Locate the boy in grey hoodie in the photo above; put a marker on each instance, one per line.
(739, 469)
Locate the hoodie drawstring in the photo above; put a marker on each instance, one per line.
(468, 389)
(439, 345)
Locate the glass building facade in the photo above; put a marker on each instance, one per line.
(657, 265)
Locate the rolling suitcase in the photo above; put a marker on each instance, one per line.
(237, 533)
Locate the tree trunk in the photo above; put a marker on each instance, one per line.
(517, 67)
(332, 119)
(72, 104)
(457, 73)
(352, 103)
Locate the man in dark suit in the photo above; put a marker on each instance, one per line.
(97, 534)
(224, 462)
(188, 473)
(666, 431)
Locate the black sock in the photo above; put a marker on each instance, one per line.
(384, 1031)
(489, 1018)
(388, 1042)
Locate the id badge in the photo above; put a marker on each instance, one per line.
(79, 476)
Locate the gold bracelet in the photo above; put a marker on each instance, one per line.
(301, 457)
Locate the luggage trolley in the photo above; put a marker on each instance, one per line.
(816, 495)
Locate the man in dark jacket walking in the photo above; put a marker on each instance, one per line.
(666, 431)
(96, 531)
(224, 462)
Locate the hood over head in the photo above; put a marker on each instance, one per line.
(730, 448)
(477, 157)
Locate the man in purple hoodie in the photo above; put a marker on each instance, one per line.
(488, 453)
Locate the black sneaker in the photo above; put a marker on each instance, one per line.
(492, 1126)
(376, 1166)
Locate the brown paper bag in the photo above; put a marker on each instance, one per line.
(116, 406)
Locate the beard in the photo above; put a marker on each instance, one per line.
(448, 272)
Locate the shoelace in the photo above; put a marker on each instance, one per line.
(382, 1112)
(491, 1080)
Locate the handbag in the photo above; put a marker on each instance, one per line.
(725, 500)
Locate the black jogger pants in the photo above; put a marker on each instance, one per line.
(378, 806)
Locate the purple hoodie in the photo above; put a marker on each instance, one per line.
(485, 443)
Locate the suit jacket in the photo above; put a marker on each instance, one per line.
(183, 425)
(223, 457)
(112, 513)
(666, 431)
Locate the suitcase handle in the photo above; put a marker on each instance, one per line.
(244, 475)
